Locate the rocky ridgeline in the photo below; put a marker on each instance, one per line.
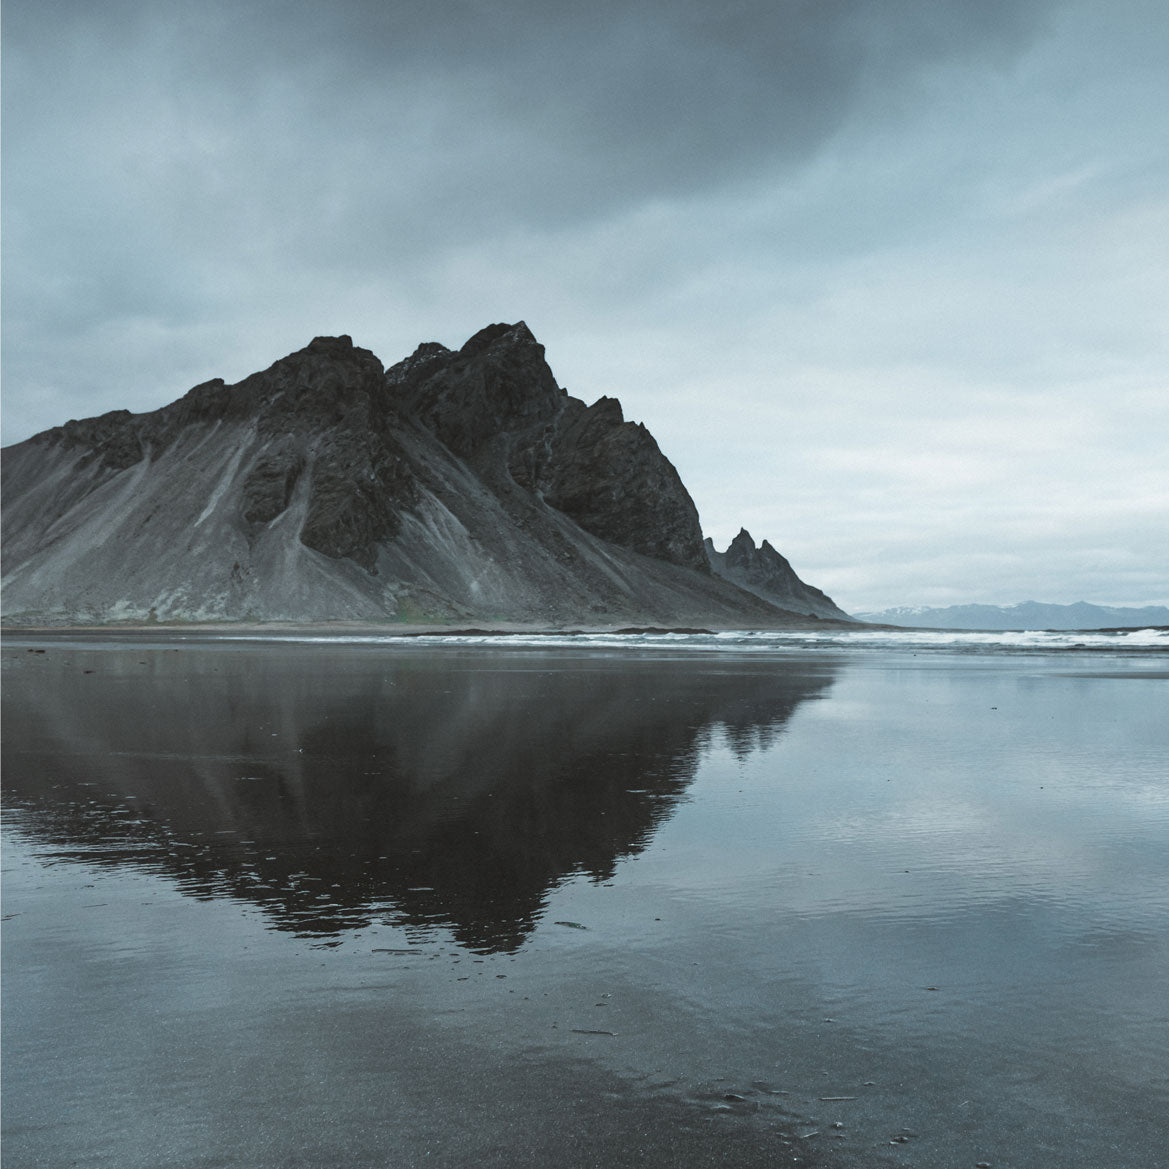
(767, 574)
(457, 483)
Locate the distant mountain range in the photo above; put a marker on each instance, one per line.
(1025, 615)
(456, 485)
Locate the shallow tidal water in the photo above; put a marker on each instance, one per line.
(372, 904)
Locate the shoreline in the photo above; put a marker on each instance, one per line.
(410, 629)
(261, 630)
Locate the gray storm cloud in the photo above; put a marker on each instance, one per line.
(346, 127)
(938, 214)
(164, 159)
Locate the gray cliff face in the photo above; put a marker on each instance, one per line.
(767, 574)
(496, 404)
(456, 484)
(610, 476)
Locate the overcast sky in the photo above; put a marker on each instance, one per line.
(887, 279)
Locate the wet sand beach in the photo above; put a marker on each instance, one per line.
(290, 904)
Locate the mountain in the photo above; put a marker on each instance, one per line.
(1025, 615)
(767, 574)
(457, 484)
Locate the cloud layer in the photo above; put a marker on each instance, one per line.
(887, 282)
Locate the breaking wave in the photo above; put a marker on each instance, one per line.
(765, 641)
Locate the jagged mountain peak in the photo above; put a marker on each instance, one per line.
(341, 344)
(741, 550)
(608, 409)
(455, 484)
(484, 396)
(764, 572)
(294, 391)
(511, 335)
(322, 357)
(427, 354)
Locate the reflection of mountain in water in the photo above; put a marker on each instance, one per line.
(334, 787)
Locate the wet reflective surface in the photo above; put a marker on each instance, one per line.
(336, 789)
(315, 905)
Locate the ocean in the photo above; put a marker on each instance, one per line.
(843, 899)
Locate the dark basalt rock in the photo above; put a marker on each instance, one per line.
(456, 484)
(111, 439)
(767, 574)
(328, 403)
(330, 381)
(204, 403)
(267, 490)
(497, 403)
(487, 337)
(359, 488)
(610, 476)
(483, 398)
(410, 367)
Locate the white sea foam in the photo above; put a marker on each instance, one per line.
(767, 641)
